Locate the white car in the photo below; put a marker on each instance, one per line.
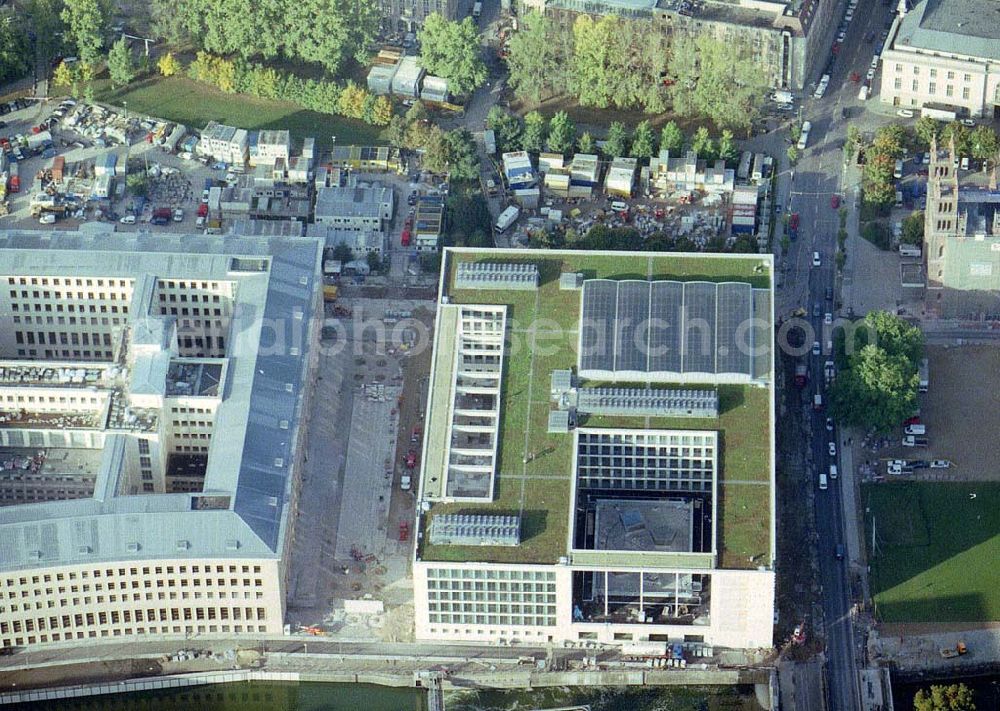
(968, 122)
(128, 220)
(849, 16)
(828, 318)
(905, 113)
(619, 206)
(48, 218)
(178, 214)
(817, 261)
(829, 424)
(204, 196)
(940, 464)
(815, 350)
(832, 448)
(841, 36)
(870, 74)
(185, 155)
(405, 482)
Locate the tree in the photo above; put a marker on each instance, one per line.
(671, 138)
(374, 262)
(63, 76)
(616, 142)
(47, 25)
(85, 22)
(955, 130)
(14, 55)
(586, 144)
(120, 66)
(913, 229)
(876, 178)
(506, 126)
(137, 184)
(701, 143)
(342, 253)
(562, 133)
(853, 140)
(539, 59)
(890, 140)
(352, 100)
(463, 161)
(878, 388)
(452, 50)
(395, 134)
(716, 79)
(926, 129)
(533, 136)
(792, 152)
(168, 65)
(954, 697)
(437, 151)
(984, 144)
(381, 111)
(643, 141)
(727, 147)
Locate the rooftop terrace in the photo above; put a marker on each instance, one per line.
(534, 468)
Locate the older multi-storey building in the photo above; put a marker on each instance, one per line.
(409, 15)
(785, 38)
(599, 458)
(154, 440)
(944, 53)
(961, 239)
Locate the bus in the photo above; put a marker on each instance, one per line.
(743, 173)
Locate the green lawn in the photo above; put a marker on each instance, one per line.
(539, 487)
(936, 550)
(195, 104)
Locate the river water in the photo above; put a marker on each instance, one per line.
(359, 697)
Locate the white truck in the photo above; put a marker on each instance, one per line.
(507, 218)
(490, 141)
(782, 96)
(925, 377)
(804, 135)
(477, 10)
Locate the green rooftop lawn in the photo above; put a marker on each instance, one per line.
(534, 474)
(936, 550)
(194, 104)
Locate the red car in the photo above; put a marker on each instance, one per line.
(855, 77)
(911, 421)
(411, 459)
(834, 201)
(793, 221)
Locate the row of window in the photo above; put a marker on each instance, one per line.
(66, 281)
(132, 572)
(47, 307)
(931, 88)
(933, 72)
(61, 338)
(116, 617)
(505, 620)
(52, 399)
(64, 353)
(128, 631)
(134, 585)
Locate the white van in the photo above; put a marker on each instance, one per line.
(833, 471)
(898, 171)
(915, 429)
(909, 250)
(822, 481)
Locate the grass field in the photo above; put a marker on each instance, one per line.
(534, 467)
(936, 550)
(195, 104)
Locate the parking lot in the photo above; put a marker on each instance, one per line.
(960, 418)
(173, 182)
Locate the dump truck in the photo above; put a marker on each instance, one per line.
(956, 651)
(14, 179)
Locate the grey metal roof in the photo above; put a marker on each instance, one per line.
(666, 327)
(252, 449)
(351, 201)
(968, 28)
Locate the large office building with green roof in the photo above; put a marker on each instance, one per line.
(599, 458)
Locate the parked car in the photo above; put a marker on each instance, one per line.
(832, 448)
(829, 424)
(940, 464)
(128, 220)
(817, 261)
(834, 201)
(904, 113)
(178, 214)
(815, 348)
(968, 122)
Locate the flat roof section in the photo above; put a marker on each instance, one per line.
(644, 525)
(668, 330)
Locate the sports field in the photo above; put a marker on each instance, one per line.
(936, 550)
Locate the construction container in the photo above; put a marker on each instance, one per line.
(434, 89)
(406, 81)
(380, 78)
(58, 168)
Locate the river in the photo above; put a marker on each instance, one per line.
(356, 697)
